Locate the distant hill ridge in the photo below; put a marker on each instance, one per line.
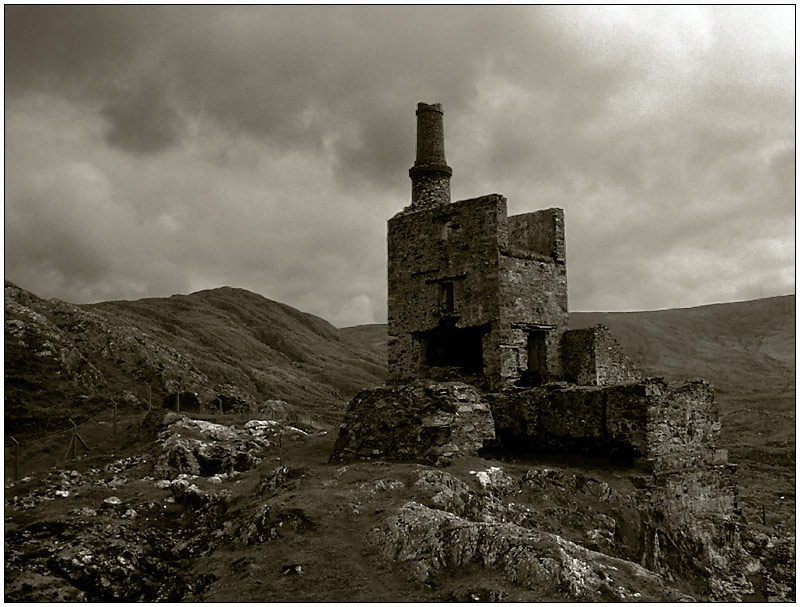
(63, 358)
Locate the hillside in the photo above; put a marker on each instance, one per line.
(64, 360)
(743, 348)
(241, 506)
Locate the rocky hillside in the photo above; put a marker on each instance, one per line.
(239, 507)
(254, 511)
(64, 360)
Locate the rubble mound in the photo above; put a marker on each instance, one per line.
(202, 448)
(423, 421)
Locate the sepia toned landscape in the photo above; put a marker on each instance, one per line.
(402, 396)
(262, 498)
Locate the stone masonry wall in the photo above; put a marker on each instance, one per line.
(540, 233)
(533, 289)
(666, 428)
(592, 357)
(531, 293)
(456, 244)
(422, 421)
(578, 357)
(683, 426)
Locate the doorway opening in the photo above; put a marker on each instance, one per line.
(537, 358)
(450, 346)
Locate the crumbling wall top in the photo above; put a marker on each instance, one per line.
(540, 233)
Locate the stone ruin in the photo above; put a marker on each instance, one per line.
(481, 356)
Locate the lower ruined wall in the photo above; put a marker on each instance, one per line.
(592, 357)
(700, 492)
(683, 426)
(667, 428)
(424, 421)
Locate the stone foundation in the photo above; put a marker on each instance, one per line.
(663, 427)
(424, 421)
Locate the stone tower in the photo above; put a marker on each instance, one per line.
(473, 294)
(430, 175)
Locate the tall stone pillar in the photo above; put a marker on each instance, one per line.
(430, 175)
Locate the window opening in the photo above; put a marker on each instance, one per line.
(537, 358)
(446, 301)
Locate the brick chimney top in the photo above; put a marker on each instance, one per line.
(430, 175)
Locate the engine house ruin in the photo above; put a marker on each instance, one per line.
(480, 296)
(481, 358)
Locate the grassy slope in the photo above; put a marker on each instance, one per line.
(265, 347)
(202, 341)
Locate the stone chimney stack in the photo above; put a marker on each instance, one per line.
(430, 175)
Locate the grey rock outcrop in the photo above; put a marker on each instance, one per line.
(432, 540)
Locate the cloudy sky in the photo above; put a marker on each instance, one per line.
(153, 150)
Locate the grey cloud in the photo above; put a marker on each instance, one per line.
(649, 149)
(75, 49)
(141, 120)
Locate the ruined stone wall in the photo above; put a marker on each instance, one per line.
(457, 244)
(683, 426)
(532, 292)
(578, 357)
(533, 289)
(702, 491)
(420, 421)
(666, 428)
(592, 357)
(540, 233)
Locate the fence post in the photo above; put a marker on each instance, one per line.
(16, 458)
(73, 443)
(115, 417)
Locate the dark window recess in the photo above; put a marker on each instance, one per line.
(537, 358)
(446, 302)
(448, 346)
(448, 228)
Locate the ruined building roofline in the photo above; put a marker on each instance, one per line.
(484, 198)
(549, 209)
(453, 207)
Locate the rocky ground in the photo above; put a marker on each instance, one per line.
(254, 511)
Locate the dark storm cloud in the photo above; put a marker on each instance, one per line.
(265, 147)
(74, 49)
(141, 120)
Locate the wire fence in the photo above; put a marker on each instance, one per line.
(103, 432)
(99, 434)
